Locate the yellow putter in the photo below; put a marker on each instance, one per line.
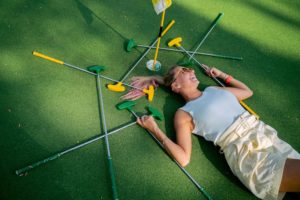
(118, 87)
(149, 92)
(175, 42)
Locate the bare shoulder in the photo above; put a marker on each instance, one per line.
(183, 119)
(182, 115)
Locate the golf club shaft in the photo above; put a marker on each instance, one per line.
(211, 28)
(197, 53)
(57, 155)
(146, 52)
(217, 80)
(201, 65)
(78, 68)
(159, 38)
(182, 169)
(110, 162)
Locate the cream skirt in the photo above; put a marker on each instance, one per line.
(256, 155)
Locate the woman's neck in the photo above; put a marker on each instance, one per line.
(191, 95)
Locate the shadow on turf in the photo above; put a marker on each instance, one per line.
(267, 62)
(89, 15)
(272, 13)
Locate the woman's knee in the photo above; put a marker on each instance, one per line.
(290, 181)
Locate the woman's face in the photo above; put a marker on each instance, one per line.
(184, 76)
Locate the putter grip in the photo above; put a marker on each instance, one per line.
(113, 179)
(219, 17)
(29, 167)
(47, 57)
(168, 27)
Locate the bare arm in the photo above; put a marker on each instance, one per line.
(238, 88)
(181, 150)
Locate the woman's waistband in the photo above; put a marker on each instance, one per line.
(238, 129)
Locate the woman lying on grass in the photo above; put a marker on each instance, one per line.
(265, 164)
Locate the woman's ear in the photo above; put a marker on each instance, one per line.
(175, 87)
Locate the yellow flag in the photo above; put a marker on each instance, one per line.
(161, 5)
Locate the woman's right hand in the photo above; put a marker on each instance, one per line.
(139, 82)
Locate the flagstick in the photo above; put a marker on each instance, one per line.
(159, 37)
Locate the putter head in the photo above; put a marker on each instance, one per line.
(175, 42)
(186, 62)
(130, 44)
(149, 92)
(118, 87)
(125, 105)
(96, 69)
(155, 113)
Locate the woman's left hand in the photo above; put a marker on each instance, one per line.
(148, 123)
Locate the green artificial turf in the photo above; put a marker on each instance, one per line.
(46, 107)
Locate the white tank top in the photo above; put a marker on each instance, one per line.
(213, 112)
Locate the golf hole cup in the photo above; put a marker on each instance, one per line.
(150, 66)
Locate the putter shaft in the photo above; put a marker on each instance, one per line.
(57, 155)
(197, 53)
(206, 35)
(220, 83)
(182, 169)
(146, 52)
(110, 162)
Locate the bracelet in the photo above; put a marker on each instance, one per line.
(228, 79)
(225, 76)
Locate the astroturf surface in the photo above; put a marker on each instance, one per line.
(46, 107)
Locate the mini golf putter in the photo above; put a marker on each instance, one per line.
(155, 113)
(24, 170)
(131, 44)
(97, 69)
(176, 42)
(117, 87)
(129, 104)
